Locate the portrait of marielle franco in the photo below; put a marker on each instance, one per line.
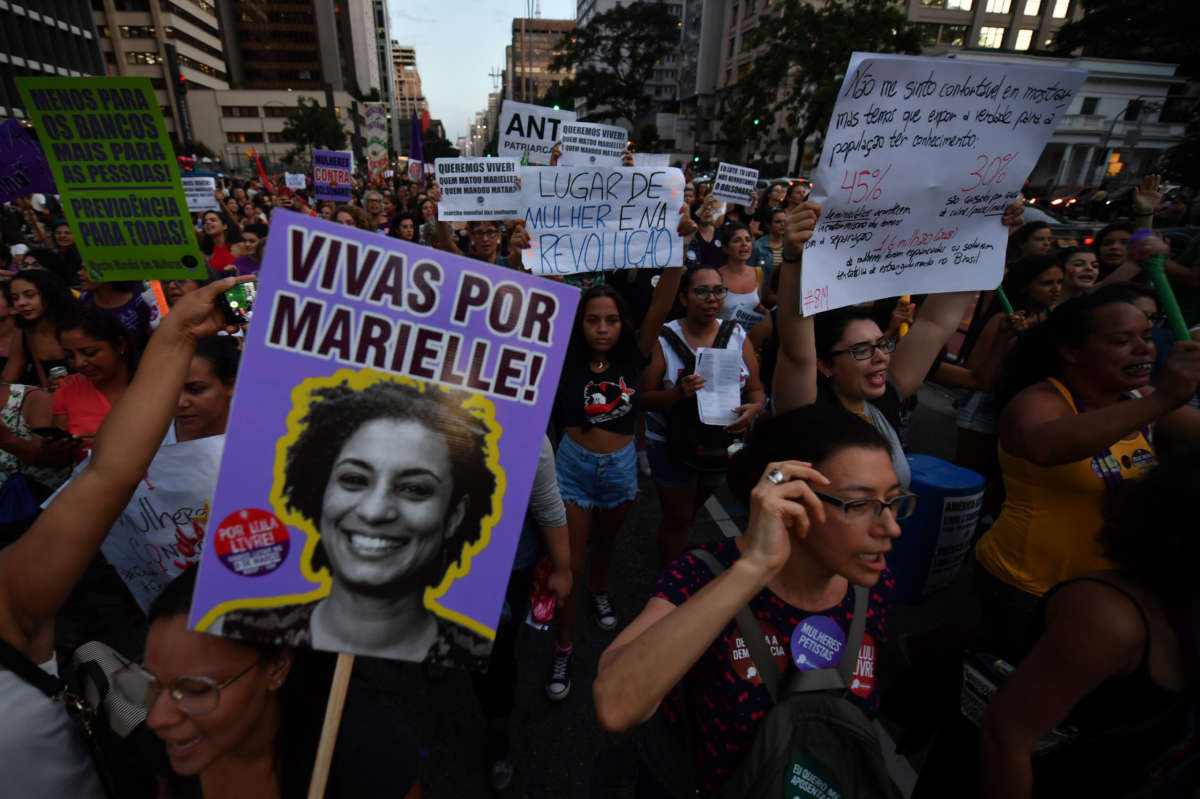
(398, 483)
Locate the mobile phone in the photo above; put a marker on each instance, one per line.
(53, 433)
(238, 303)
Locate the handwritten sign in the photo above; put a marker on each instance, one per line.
(528, 132)
(331, 174)
(592, 220)
(23, 167)
(116, 173)
(589, 144)
(734, 184)
(921, 158)
(294, 180)
(477, 188)
(161, 531)
(200, 194)
(376, 132)
(372, 361)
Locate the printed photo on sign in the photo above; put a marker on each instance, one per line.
(921, 158)
(592, 220)
(528, 132)
(374, 487)
(476, 189)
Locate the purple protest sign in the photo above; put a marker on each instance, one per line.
(331, 174)
(381, 447)
(23, 167)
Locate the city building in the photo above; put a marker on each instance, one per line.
(527, 76)
(300, 44)
(37, 41)
(410, 99)
(1018, 25)
(177, 44)
(383, 55)
(1119, 123)
(663, 85)
(232, 121)
(700, 60)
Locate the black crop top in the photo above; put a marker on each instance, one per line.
(609, 400)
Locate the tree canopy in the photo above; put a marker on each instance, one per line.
(794, 78)
(312, 124)
(614, 56)
(1137, 30)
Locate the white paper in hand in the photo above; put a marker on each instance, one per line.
(721, 370)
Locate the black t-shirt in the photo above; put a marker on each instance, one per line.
(609, 400)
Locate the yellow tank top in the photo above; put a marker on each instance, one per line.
(1047, 530)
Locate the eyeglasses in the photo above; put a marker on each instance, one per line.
(902, 505)
(1157, 319)
(865, 350)
(194, 696)
(484, 234)
(703, 292)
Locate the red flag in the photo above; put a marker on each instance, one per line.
(262, 174)
(425, 120)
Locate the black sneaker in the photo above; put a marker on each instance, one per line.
(558, 687)
(606, 617)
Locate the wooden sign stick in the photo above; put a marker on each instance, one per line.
(333, 720)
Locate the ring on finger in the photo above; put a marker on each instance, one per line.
(775, 477)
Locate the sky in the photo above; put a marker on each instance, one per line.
(458, 43)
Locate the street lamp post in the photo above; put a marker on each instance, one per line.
(1101, 168)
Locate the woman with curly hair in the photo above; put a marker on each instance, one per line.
(396, 483)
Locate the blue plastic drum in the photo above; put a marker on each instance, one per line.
(937, 539)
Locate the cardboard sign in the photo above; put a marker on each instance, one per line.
(528, 132)
(378, 446)
(592, 220)
(589, 144)
(920, 160)
(477, 188)
(200, 194)
(734, 184)
(23, 167)
(161, 531)
(294, 180)
(376, 132)
(116, 174)
(332, 171)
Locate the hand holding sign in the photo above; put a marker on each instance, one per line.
(801, 221)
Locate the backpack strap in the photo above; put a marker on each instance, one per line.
(839, 678)
(16, 662)
(681, 349)
(751, 631)
(724, 334)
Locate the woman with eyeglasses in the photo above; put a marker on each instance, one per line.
(240, 719)
(842, 358)
(824, 510)
(666, 383)
(42, 756)
(1078, 418)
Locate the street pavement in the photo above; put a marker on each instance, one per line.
(561, 750)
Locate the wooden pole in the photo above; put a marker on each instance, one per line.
(333, 720)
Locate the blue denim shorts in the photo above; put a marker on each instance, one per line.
(671, 474)
(593, 479)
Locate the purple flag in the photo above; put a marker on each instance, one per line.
(23, 167)
(416, 151)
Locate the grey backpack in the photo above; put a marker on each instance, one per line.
(815, 743)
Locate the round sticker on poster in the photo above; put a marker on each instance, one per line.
(252, 542)
(743, 661)
(817, 643)
(809, 778)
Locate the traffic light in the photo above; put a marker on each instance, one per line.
(756, 121)
(695, 159)
(556, 108)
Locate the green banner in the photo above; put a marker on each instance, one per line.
(117, 176)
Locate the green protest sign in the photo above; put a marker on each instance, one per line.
(116, 175)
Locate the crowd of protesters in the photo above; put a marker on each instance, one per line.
(1079, 408)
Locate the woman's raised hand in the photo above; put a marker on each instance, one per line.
(779, 507)
(801, 221)
(198, 313)
(687, 226)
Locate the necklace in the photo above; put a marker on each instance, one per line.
(599, 366)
